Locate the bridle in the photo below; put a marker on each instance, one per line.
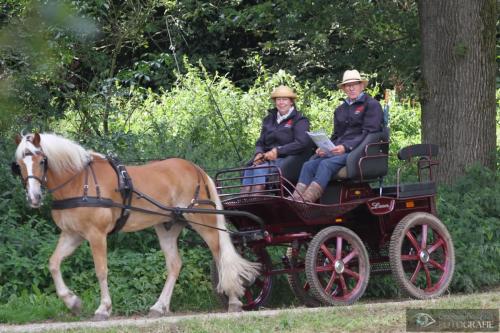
(16, 171)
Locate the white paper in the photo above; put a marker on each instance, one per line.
(322, 141)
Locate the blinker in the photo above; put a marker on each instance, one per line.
(15, 168)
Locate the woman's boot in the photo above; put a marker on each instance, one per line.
(313, 192)
(299, 191)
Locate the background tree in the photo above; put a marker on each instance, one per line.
(458, 91)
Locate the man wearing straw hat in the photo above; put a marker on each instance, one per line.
(357, 116)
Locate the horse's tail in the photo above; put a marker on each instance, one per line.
(234, 270)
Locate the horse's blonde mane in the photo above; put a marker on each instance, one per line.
(62, 154)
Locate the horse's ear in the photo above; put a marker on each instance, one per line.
(36, 140)
(18, 139)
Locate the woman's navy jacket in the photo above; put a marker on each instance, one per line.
(289, 136)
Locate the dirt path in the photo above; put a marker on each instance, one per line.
(145, 322)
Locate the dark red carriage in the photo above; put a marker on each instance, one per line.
(359, 227)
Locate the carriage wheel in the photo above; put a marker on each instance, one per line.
(337, 266)
(257, 294)
(422, 256)
(298, 281)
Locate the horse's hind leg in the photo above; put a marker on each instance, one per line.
(168, 244)
(66, 245)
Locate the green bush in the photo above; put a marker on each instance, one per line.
(471, 211)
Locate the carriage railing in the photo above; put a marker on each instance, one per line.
(229, 183)
(423, 161)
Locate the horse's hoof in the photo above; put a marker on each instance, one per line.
(76, 308)
(234, 307)
(100, 317)
(155, 314)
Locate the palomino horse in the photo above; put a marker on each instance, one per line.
(62, 167)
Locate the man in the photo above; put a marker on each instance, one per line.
(357, 116)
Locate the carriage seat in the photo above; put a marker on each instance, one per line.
(292, 164)
(369, 160)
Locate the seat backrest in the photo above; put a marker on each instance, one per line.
(292, 164)
(370, 159)
(419, 150)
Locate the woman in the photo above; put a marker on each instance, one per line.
(283, 133)
(357, 116)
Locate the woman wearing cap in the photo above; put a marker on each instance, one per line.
(357, 116)
(283, 133)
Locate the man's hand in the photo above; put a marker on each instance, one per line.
(320, 152)
(338, 150)
(271, 155)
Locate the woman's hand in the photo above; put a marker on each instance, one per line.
(271, 155)
(258, 159)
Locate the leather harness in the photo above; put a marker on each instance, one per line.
(126, 189)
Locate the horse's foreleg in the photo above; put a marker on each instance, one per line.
(66, 245)
(98, 245)
(168, 244)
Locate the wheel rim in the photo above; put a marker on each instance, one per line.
(258, 293)
(341, 268)
(425, 257)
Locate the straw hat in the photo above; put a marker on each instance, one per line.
(351, 76)
(283, 91)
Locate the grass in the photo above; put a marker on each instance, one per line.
(365, 317)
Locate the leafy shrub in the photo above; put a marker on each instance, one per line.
(471, 211)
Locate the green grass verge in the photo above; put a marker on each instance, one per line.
(362, 317)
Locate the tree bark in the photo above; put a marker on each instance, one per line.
(458, 86)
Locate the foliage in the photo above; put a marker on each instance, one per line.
(471, 211)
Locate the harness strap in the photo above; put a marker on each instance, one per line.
(195, 201)
(125, 187)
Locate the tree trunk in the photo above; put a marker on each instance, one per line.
(458, 90)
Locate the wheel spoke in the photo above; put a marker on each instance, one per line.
(415, 273)
(330, 284)
(408, 257)
(413, 241)
(428, 276)
(248, 296)
(343, 285)
(327, 253)
(436, 264)
(423, 243)
(351, 255)
(436, 245)
(339, 248)
(326, 268)
(352, 273)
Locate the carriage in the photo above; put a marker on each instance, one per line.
(358, 228)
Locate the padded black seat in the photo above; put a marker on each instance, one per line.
(292, 164)
(369, 160)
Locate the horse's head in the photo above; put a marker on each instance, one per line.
(31, 165)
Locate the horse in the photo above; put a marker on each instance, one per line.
(50, 162)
